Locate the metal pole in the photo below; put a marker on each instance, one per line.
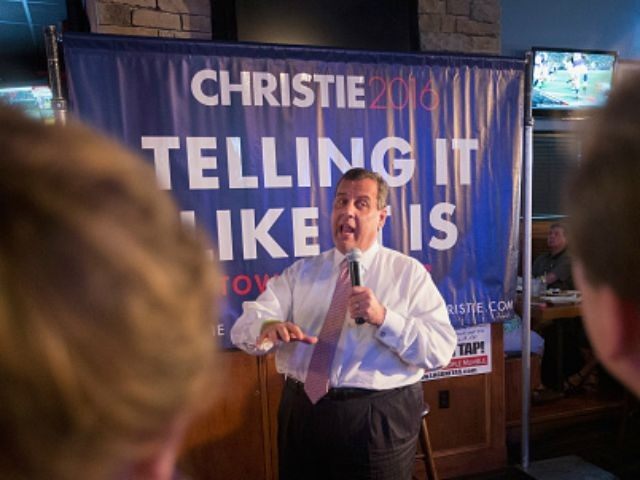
(526, 269)
(53, 66)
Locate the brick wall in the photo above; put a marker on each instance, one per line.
(151, 18)
(445, 25)
(471, 26)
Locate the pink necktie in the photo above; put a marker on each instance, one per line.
(316, 384)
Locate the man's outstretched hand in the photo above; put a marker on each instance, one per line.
(285, 332)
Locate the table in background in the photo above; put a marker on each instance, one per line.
(550, 315)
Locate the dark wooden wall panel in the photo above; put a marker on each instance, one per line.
(464, 422)
(228, 441)
(469, 437)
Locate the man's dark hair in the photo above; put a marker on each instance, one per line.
(362, 173)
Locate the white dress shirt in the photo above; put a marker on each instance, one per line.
(416, 334)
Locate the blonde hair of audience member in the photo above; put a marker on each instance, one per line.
(604, 201)
(106, 309)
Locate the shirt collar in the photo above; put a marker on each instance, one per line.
(367, 256)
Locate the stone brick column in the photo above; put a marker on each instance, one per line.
(151, 18)
(471, 26)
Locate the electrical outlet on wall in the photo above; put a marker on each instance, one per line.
(443, 399)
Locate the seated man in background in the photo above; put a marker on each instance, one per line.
(106, 304)
(579, 365)
(555, 265)
(605, 227)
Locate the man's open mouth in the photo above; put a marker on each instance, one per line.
(347, 229)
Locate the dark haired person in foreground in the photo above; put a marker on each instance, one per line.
(106, 304)
(604, 209)
(352, 400)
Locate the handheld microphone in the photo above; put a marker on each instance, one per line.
(353, 257)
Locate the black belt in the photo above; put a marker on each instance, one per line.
(344, 393)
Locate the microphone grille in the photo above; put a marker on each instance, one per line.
(354, 255)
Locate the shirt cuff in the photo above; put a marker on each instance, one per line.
(252, 347)
(390, 331)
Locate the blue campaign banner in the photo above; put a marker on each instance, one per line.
(252, 139)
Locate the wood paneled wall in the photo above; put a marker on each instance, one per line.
(236, 439)
(513, 386)
(469, 436)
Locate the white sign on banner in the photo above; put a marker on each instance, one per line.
(472, 355)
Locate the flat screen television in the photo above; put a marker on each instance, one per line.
(35, 100)
(570, 82)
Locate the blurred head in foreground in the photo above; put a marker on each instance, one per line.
(106, 309)
(604, 210)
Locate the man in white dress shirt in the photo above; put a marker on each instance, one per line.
(366, 425)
